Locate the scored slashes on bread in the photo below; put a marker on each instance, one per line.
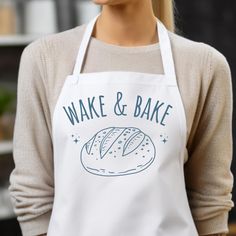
(118, 151)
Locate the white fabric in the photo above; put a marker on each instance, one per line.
(119, 139)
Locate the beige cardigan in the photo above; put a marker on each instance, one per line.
(204, 80)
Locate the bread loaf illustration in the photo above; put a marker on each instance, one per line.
(117, 151)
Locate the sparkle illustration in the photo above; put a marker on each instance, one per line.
(164, 138)
(75, 138)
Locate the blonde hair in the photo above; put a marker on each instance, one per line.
(164, 11)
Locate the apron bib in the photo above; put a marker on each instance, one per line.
(119, 140)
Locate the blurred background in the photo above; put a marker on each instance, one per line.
(23, 21)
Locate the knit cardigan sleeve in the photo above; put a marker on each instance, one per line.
(209, 180)
(31, 182)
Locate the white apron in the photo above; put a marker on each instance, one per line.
(119, 139)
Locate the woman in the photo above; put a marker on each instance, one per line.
(123, 128)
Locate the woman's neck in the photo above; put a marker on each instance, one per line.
(127, 24)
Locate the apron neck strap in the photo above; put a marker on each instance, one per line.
(165, 47)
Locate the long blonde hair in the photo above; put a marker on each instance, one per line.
(164, 10)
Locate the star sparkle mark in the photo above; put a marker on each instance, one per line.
(75, 138)
(164, 138)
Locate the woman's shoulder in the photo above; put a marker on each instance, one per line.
(197, 55)
(55, 44)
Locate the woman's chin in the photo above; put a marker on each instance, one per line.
(109, 2)
(102, 2)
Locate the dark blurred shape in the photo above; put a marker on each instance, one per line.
(10, 227)
(66, 14)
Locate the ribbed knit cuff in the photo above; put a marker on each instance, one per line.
(35, 226)
(214, 225)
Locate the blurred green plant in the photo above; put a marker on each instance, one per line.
(7, 99)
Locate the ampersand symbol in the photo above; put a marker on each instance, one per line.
(118, 109)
